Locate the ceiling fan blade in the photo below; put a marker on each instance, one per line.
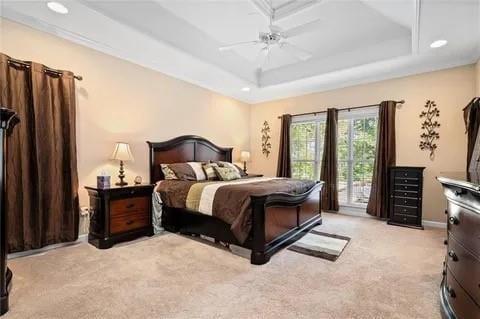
(295, 51)
(262, 58)
(301, 29)
(235, 45)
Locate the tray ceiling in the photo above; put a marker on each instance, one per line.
(349, 41)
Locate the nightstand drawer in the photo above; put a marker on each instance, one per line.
(124, 223)
(119, 207)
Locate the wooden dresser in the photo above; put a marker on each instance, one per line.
(460, 289)
(119, 214)
(405, 196)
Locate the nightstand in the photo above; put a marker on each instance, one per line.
(119, 214)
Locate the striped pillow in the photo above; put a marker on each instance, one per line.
(209, 170)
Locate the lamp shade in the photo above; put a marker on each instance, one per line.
(245, 156)
(122, 152)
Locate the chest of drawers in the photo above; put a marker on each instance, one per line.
(460, 290)
(405, 196)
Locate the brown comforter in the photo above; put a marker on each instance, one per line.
(228, 201)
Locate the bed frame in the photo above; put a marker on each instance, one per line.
(277, 219)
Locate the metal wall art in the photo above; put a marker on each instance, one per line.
(429, 126)
(266, 145)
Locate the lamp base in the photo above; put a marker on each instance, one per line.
(121, 176)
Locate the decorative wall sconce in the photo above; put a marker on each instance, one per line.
(429, 126)
(266, 145)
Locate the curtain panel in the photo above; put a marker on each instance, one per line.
(42, 193)
(284, 166)
(385, 158)
(471, 115)
(328, 172)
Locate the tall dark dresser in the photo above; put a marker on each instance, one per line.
(405, 196)
(460, 289)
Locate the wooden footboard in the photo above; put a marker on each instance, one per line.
(280, 219)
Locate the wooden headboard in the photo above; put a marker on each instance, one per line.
(187, 148)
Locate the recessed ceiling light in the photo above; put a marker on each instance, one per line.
(438, 44)
(246, 89)
(57, 7)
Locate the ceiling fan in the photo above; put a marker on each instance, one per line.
(278, 37)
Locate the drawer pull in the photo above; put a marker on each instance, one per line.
(130, 206)
(453, 220)
(445, 242)
(451, 292)
(452, 255)
(129, 222)
(460, 192)
(446, 211)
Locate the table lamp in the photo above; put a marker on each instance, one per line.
(122, 153)
(245, 157)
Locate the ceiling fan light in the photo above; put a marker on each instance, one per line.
(57, 7)
(438, 44)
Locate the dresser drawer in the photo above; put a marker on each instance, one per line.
(404, 219)
(406, 173)
(407, 181)
(407, 188)
(464, 226)
(459, 300)
(405, 210)
(409, 194)
(125, 206)
(465, 267)
(124, 223)
(406, 201)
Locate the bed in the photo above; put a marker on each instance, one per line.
(274, 219)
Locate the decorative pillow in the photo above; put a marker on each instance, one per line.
(167, 172)
(198, 169)
(227, 173)
(209, 170)
(231, 165)
(191, 171)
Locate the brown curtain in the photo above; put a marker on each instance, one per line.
(328, 172)
(385, 158)
(284, 166)
(42, 193)
(471, 115)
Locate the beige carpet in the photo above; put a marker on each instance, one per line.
(385, 272)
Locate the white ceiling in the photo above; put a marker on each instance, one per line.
(353, 41)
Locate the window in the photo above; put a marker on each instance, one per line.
(306, 138)
(357, 139)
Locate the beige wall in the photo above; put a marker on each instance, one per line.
(121, 101)
(452, 89)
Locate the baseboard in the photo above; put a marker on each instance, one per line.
(431, 223)
(81, 239)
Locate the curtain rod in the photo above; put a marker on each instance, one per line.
(344, 109)
(47, 69)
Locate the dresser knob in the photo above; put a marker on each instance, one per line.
(445, 242)
(129, 222)
(446, 211)
(130, 206)
(452, 255)
(451, 292)
(453, 220)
